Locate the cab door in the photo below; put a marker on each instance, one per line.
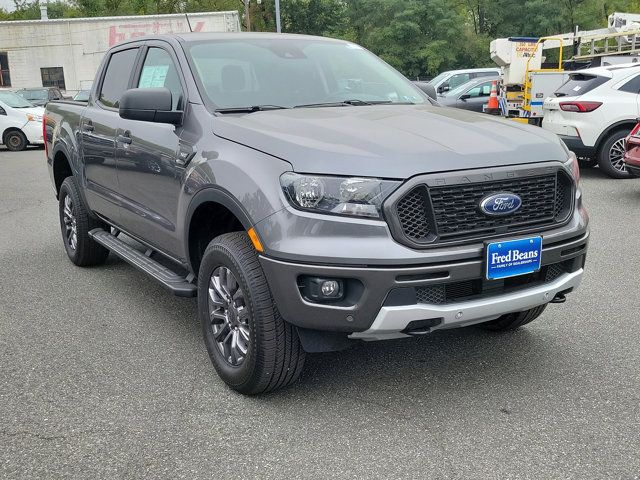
(147, 157)
(474, 98)
(98, 134)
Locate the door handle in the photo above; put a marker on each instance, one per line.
(87, 126)
(124, 138)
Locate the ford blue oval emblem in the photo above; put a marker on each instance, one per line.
(503, 203)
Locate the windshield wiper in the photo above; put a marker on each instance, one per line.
(250, 109)
(353, 103)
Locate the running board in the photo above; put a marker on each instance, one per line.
(179, 285)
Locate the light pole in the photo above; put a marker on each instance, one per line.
(278, 25)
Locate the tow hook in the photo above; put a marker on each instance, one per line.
(559, 298)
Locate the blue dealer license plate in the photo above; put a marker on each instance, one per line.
(513, 257)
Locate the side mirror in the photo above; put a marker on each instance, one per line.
(430, 90)
(465, 96)
(149, 105)
(2, 111)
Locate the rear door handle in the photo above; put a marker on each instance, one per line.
(124, 138)
(87, 126)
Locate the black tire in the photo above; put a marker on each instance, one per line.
(84, 251)
(610, 156)
(15, 140)
(586, 162)
(511, 321)
(274, 356)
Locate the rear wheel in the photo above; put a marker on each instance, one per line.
(611, 155)
(75, 224)
(250, 345)
(511, 321)
(15, 140)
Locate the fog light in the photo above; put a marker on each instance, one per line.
(329, 288)
(319, 289)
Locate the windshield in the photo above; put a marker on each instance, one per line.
(579, 84)
(438, 79)
(293, 72)
(34, 94)
(14, 100)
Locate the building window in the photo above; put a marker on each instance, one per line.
(53, 77)
(5, 78)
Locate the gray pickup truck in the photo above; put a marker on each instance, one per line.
(310, 197)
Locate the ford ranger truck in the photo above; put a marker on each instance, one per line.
(311, 197)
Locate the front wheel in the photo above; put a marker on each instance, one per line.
(512, 321)
(15, 141)
(611, 155)
(250, 345)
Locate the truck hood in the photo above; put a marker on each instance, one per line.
(390, 141)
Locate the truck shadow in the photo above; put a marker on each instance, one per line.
(458, 360)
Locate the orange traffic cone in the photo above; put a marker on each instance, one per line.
(493, 107)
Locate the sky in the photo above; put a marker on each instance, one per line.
(7, 5)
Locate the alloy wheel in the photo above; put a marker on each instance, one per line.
(616, 155)
(229, 316)
(70, 223)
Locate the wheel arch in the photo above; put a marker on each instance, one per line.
(11, 129)
(61, 168)
(212, 212)
(620, 125)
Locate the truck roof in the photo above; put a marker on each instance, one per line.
(213, 36)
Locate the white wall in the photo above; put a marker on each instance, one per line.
(78, 45)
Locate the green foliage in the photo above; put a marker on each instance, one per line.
(419, 37)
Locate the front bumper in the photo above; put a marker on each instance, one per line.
(391, 322)
(33, 132)
(374, 312)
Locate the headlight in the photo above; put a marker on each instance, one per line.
(32, 117)
(360, 197)
(572, 164)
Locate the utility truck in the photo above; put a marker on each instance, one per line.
(527, 78)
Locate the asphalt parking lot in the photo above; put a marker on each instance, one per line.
(105, 375)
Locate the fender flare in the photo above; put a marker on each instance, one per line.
(217, 195)
(612, 128)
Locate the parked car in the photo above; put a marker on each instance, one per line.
(42, 95)
(472, 95)
(594, 111)
(308, 205)
(632, 151)
(20, 121)
(454, 78)
(82, 96)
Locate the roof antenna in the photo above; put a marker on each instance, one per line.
(188, 22)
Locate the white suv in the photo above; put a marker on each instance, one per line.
(594, 111)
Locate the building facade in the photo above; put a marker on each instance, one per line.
(66, 53)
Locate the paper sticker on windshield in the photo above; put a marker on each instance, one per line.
(153, 76)
(577, 88)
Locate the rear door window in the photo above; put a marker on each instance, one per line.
(579, 84)
(632, 86)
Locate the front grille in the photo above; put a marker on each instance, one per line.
(448, 213)
(440, 294)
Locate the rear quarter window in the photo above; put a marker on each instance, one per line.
(579, 84)
(632, 86)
